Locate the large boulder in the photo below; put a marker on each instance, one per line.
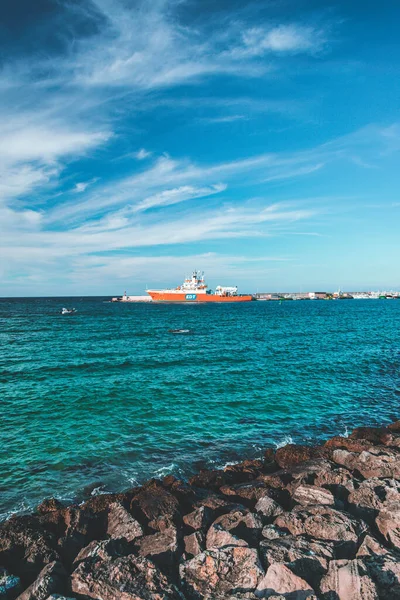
(325, 523)
(124, 578)
(161, 547)
(194, 544)
(236, 528)
(372, 496)
(308, 558)
(294, 454)
(370, 547)
(121, 524)
(156, 506)
(310, 494)
(384, 464)
(268, 508)
(348, 580)
(385, 572)
(200, 518)
(279, 579)
(102, 550)
(52, 578)
(221, 572)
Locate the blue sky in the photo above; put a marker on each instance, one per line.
(257, 141)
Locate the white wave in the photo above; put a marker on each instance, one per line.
(284, 442)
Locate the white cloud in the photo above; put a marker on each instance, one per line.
(142, 154)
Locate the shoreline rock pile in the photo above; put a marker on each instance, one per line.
(305, 523)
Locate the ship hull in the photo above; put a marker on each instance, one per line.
(195, 298)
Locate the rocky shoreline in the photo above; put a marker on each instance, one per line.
(306, 522)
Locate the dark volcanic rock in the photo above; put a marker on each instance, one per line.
(121, 524)
(211, 479)
(155, 505)
(124, 578)
(52, 578)
(221, 572)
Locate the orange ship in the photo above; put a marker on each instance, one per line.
(194, 289)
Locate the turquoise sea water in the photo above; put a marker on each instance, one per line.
(110, 396)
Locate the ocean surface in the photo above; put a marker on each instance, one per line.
(106, 398)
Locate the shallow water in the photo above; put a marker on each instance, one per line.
(114, 394)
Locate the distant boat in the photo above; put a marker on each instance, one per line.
(68, 311)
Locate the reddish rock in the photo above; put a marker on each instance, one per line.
(125, 578)
(25, 547)
(200, 518)
(273, 532)
(268, 508)
(52, 578)
(49, 505)
(211, 479)
(216, 504)
(388, 523)
(369, 464)
(101, 502)
(221, 572)
(350, 444)
(237, 528)
(311, 494)
(373, 495)
(293, 454)
(308, 558)
(394, 427)
(370, 547)
(348, 580)
(102, 550)
(245, 471)
(279, 579)
(325, 523)
(339, 481)
(194, 543)
(161, 547)
(374, 435)
(156, 505)
(121, 524)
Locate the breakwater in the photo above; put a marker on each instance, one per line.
(305, 522)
